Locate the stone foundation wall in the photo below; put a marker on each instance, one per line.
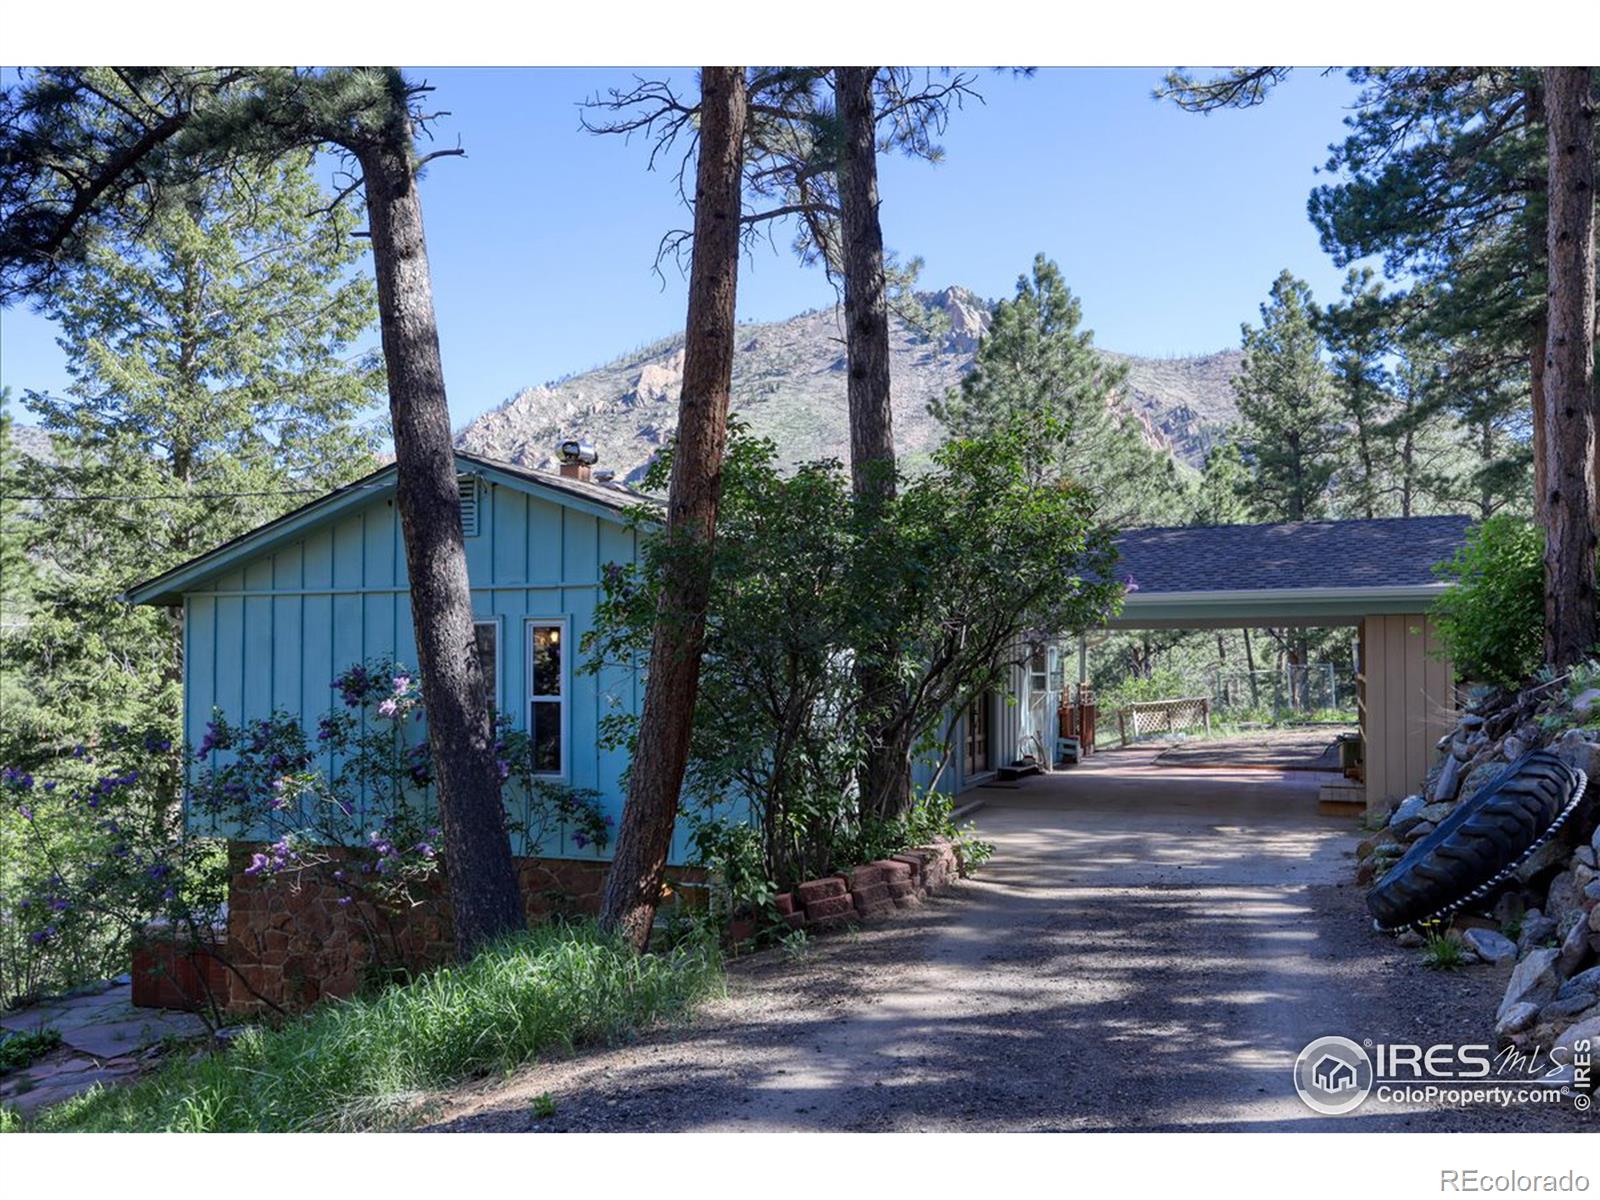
(294, 944)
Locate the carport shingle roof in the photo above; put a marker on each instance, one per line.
(1388, 552)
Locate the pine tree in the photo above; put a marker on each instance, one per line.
(1442, 175)
(661, 752)
(1427, 466)
(75, 142)
(1290, 436)
(1038, 370)
(1444, 178)
(1358, 332)
(1572, 505)
(1222, 495)
(215, 384)
(215, 367)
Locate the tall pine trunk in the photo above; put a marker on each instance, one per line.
(484, 897)
(1571, 513)
(1538, 325)
(633, 885)
(886, 778)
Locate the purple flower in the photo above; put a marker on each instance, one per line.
(579, 840)
(1130, 584)
(388, 709)
(27, 813)
(343, 900)
(402, 684)
(258, 864)
(50, 785)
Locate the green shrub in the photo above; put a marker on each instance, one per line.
(1491, 617)
(19, 1049)
(1163, 683)
(368, 1063)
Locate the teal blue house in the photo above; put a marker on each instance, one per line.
(272, 617)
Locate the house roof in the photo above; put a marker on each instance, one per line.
(1298, 570)
(601, 499)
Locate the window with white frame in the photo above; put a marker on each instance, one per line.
(547, 710)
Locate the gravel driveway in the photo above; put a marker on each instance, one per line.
(1142, 953)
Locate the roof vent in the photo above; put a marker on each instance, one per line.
(467, 486)
(576, 458)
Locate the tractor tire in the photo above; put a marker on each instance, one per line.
(1479, 845)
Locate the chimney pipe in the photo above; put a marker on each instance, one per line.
(577, 457)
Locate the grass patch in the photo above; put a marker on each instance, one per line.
(369, 1063)
(1443, 953)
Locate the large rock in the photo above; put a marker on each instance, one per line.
(1552, 854)
(1490, 946)
(1574, 948)
(1449, 781)
(1437, 812)
(1509, 907)
(1537, 929)
(1534, 981)
(1515, 1019)
(1583, 981)
(1512, 747)
(1419, 831)
(1563, 897)
(1577, 750)
(1407, 814)
(1586, 704)
(1567, 1007)
(1588, 1028)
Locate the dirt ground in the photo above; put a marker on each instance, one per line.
(1142, 954)
(1312, 748)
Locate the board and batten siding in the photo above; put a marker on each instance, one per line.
(274, 632)
(1409, 703)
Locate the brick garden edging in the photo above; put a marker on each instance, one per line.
(863, 894)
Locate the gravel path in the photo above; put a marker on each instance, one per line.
(1132, 959)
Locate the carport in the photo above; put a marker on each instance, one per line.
(1377, 576)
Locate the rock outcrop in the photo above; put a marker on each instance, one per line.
(1548, 912)
(789, 385)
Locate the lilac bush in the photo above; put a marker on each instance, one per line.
(94, 849)
(97, 848)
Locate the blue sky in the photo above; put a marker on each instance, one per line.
(1169, 226)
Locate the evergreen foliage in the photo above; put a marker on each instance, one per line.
(1038, 374)
(1290, 436)
(216, 383)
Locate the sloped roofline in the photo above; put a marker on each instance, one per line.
(596, 499)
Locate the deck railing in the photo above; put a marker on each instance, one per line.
(1163, 716)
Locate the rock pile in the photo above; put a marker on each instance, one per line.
(1544, 923)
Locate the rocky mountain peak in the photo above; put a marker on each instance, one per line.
(789, 385)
